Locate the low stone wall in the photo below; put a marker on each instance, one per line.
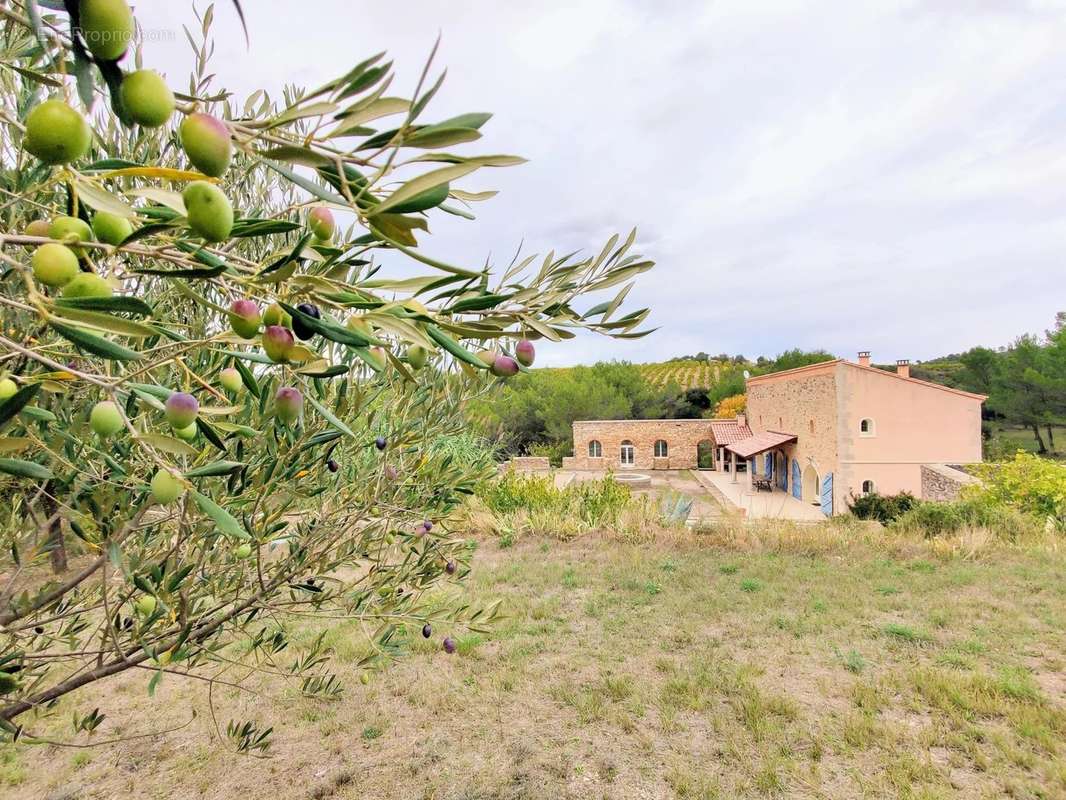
(944, 483)
(682, 437)
(530, 464)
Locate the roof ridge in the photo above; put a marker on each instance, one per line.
(878, 370)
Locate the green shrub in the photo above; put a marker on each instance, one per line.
(466, 450)
(883, 508)
(534, 504)
(555, 452)
(931, 519)
(1028, 483)
(598, 502)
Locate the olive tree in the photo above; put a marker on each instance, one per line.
(215, 400)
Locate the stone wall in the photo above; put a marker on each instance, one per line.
(529, 464)
(804, 403)
(944, 483)
(682, 437)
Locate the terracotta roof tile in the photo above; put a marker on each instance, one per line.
(729, 431)
(760, 443)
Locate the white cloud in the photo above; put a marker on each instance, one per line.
(818, 174)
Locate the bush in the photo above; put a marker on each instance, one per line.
(731, 406)
(1028, 483)
(883, 508)
(555, 452)
(534, 504)
(931, 519)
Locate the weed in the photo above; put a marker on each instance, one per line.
(907, 633)
(854, 662)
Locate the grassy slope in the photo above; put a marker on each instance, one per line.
(654, 671)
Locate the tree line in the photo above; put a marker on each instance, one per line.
(1025, 382)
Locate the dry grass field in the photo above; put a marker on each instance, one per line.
(679, 669)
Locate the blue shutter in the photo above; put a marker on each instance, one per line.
(782, 474)
(797, 488)
(827, 495)
(768, 459)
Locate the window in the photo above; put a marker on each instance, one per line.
(595, 449)
(867, 487)
(866, 427)
(627, 452)
(661, 449)
(810, 424)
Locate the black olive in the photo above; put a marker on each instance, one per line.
(298, 327)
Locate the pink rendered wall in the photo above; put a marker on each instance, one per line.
(914, 424)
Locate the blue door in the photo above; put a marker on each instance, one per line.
(768, 459)
(782, 472)
(797, 489)
(827, 495)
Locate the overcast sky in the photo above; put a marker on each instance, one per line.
(840, 175)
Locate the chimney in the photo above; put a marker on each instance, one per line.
(742, 419)
(864, 358)
(903, 368)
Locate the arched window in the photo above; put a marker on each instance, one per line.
(627, 452)
(595, 449)
(866, 427)
(661, 449)
(867, 487)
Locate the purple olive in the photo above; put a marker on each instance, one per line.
(427, 525)
(332, 465)
(525, 353)
(381, 443)
(288, 403)
(427, 631)
(449, 645)
(245, 318)
(181, 409)
(450, 567)
(278, 343)
(504, 366)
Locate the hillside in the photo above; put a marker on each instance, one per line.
(687, 374)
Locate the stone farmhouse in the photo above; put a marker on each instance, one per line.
(820, 433)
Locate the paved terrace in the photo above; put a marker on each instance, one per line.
(758, 505)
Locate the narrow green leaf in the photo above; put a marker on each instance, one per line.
(304, 183)
(91, 343)
(25, 469)
(10, 408)
(215, 469)
(453, 347)
(225, 521)
(330, 330)
(330, 417)
(124, 303)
